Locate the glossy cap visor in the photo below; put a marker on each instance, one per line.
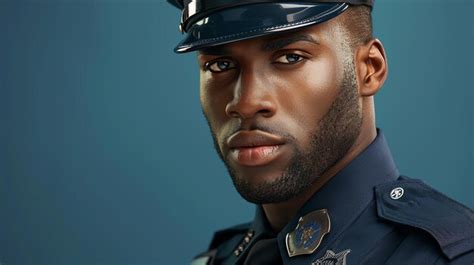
(254, 20)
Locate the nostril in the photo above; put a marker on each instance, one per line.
(234, 114)
(265, 112)
(231, 111)
(245, 110)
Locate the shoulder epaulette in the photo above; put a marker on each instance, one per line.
(413, 203)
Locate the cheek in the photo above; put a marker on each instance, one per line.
(204, 96)
(213, 102)
(308, 93)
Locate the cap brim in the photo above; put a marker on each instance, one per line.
(255, 20)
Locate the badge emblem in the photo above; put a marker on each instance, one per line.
(330, 258)
(397, 193)
(308, 234)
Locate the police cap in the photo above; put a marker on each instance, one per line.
(215, 22)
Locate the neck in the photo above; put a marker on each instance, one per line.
(279, 214)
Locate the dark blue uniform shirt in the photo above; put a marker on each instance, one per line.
(420, 226)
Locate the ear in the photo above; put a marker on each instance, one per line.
(372, 67)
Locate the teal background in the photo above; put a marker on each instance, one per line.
(105, 157)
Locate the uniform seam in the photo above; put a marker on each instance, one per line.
(396, 249)
(459, 241)
(371, 250)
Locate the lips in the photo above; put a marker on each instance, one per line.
(254, 148)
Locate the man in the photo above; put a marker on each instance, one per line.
(287, 89)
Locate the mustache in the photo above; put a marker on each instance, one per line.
(235, 127)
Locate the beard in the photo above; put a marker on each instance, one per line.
(332, 138)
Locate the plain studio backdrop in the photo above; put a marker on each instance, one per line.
(106, 158)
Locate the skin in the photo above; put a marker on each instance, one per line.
(269, 84)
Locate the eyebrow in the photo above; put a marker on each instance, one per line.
(281, 43)
(216, 50)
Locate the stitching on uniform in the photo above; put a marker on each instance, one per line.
(264, 29)
(459, 241)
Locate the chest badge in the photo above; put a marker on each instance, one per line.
(308, 234)
(330, 258)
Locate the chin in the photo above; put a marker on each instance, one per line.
(264, 186)
(259, 174)
(259, 178)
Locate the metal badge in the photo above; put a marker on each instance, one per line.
(244, 244)
(330, 258)
(308, 234)
(397, 193)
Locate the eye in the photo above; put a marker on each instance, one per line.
(219, 65)
(290, 58)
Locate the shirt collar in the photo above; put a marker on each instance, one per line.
(345, 196)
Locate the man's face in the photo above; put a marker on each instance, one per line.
(281, 109)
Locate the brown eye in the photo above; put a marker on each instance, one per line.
(289, 58)
(220, 66)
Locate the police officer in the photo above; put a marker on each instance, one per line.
(287, 89)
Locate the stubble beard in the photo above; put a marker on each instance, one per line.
(330, 141)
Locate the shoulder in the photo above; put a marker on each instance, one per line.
(223, 243)
(431, 218)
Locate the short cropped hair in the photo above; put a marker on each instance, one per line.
(358, 22)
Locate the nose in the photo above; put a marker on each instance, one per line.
(253, 96)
